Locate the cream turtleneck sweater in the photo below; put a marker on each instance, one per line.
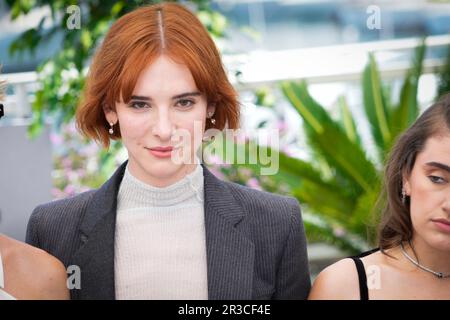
(160, 247)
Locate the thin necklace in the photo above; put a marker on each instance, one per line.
(440, 275)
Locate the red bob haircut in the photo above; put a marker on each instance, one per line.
(132, 43)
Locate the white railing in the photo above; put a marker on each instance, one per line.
(317, 65)
(23, 84)
(326, 64)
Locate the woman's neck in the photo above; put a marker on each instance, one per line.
(428, 256)
(140, 174)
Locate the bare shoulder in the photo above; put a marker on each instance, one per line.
(38, 274)
(338, 281)
(376, 258)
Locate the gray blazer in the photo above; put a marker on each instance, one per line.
(255, 241)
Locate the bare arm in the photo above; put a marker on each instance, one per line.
(54, 281)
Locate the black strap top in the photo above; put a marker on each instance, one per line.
(363, 289)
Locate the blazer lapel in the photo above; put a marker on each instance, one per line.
(230, 255)
(97, 232)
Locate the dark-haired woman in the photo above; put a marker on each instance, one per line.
(413, 259)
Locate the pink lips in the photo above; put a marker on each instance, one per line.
(161, 152)
(442, 224)
(162, 148)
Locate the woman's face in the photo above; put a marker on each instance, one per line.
(164, 102)
(429, 189)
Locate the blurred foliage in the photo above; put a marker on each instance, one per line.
(340, 184)
(264, 97)
(79, 164)
(444, 77)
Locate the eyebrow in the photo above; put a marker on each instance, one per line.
(438, 165)
(178, 96)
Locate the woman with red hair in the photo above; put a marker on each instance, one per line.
(160, 228)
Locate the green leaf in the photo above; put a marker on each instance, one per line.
(347, 121)
(324, 227)
(36, 126)
(407, 111)
(86, 39)
(361, 220)
(444, 77)
(16, 11)
(375, 105)
(336, 205)
(310, 111)
(117, 7)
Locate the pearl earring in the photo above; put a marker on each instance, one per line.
(213, 121)
(111, 130)
(403, 196)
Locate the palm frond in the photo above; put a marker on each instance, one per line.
(375, 105)
(347, 121)
(328, 138)
(408, 109)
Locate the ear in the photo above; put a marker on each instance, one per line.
(406, 184)
(210, 110)
(110, 114)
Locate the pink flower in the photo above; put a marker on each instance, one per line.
(282, 125)
(56, 139)
(81, 172)
(90, 150)
(246, 172)
(217, 173)
(287, 151)
(70, 128)
(66, 162)
(339, 232)
(56, 193)
(242, 138)
(69, 190)
(84, 189)
(225, 165)
(254, 183)
(214, 159)
(71, 175)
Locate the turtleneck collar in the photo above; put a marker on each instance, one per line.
(133, 193)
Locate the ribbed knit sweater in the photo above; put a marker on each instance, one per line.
(160, 249)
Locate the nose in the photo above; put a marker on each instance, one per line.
(446, 206)
(162, 128)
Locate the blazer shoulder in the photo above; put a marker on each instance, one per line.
(63, 207)
(284, 207)
(53, 226)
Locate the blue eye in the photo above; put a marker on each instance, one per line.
(437, 180)
(185, 103)
(138, 104)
